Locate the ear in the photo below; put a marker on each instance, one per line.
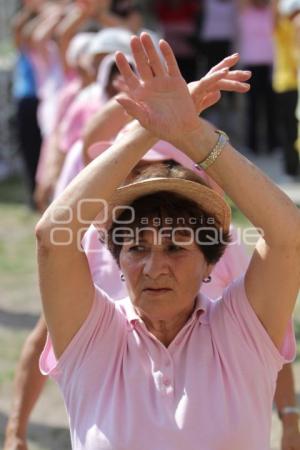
(209, 269)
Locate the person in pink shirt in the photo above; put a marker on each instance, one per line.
(91, 98)
(167, 362)
(234, 262)
(51, 160)
(256, 48)
(28, 380)
(104, 91)
(86, 103)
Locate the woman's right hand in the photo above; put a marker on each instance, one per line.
(160, 100)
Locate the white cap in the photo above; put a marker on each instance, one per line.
(111, 40)
(288, 7)
(78, 45)
(104, 72)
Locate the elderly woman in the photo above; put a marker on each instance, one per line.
(166, 368)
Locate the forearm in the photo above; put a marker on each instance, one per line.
(71, 22)
(108, 19)
(55, 160)
(104, 126)
(66, 29)
(28, 382)
(94, 184)
(44, 30)
(18, 23)
(285, 395)
(262, 202)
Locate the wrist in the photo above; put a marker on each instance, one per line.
(199, 142)
(15, 428)
(289, 416)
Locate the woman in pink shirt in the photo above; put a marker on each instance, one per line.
(28, 380)
(165, 362)
(255, 45)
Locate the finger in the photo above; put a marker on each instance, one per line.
(141, 59)
(210, 79)
(133, 109)
(233, 86)
(169, 57)
(126, 71)
(209, 100)
(229, 61)
(198, 89)
(153, 57)
(239, 75)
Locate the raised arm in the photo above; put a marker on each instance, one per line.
(105, 124)
(65, 281)
(272, 280)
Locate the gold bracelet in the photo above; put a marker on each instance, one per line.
(215, 152)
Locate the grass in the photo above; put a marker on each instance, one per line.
(12, 191)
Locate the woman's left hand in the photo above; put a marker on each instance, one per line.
(208, 90)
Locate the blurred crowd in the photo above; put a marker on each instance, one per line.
(65, 71)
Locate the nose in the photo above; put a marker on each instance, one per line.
(156, 263)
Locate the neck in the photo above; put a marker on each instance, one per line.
(165, 330)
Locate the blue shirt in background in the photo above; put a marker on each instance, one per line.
(24, 82)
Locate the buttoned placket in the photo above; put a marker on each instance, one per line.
(166, 380)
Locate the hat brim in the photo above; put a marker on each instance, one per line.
(208, 200)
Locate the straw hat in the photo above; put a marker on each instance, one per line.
(207, 199)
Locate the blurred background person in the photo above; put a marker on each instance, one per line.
(177, 19)
(216, 33)
(285, 80)
(26, 96)
(255, 45)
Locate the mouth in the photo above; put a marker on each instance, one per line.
(157, 291)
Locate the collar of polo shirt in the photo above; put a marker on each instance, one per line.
(200, 310)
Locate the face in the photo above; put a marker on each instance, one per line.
(163, 276)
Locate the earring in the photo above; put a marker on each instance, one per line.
(122, 276)
(207, 280)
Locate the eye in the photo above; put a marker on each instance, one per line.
(137, 249)
(173, 248)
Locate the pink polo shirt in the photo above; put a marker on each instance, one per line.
(256, 35)
(211, 389)
(85, 105)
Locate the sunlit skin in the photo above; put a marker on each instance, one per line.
(163, 280)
